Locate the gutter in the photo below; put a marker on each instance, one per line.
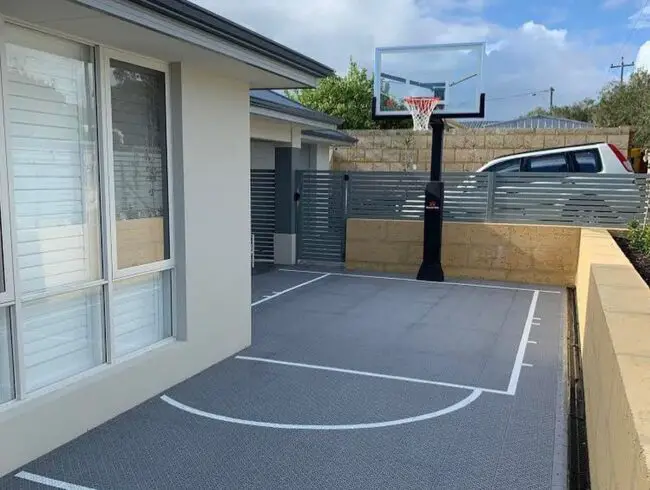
(336, 136)
(294, 111)
(213, 24)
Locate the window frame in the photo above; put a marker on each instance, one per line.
(104, 59)
(7, 297)
(567, 160)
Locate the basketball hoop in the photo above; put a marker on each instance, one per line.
(421, 109)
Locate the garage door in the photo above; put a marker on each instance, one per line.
(263, 199)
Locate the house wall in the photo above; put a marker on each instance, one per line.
(211, 148)
(262, 155)
(465, 150)
(323, 157)
(268, 129)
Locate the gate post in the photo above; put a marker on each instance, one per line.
(286, 163)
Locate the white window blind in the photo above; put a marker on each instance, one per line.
(62, 336)
(52, 151)
(141, 312)
(52, 147)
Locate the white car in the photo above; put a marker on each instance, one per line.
(604, 158)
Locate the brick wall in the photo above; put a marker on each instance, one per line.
(465, 150)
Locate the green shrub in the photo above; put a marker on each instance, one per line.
(639, 237)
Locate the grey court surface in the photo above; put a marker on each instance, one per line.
(352, 381)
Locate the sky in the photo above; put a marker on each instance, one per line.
(566, 44)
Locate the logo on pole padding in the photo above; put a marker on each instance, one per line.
(432, 204)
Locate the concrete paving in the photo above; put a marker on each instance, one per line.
(352, 381)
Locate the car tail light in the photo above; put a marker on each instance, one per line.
(621, 157)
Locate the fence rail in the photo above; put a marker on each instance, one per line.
(328, 198)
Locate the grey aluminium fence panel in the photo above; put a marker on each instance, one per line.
(327, 199)
(400, 195)
(263, 214)
(610, 200)
(321, 216)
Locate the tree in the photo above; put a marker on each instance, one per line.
(627, 104)
(583, 110)
(348, 97)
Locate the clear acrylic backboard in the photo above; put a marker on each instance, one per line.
(451, 72)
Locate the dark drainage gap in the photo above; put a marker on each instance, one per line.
(578, 450)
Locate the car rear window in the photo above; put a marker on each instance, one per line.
(587, 161)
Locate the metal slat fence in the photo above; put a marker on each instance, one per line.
(328, 198)
(321, 216)
(263, 214)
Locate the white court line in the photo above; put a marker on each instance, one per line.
(537, 319)
(532, 342)
(371, 425)
(370, 375)
(49, 481)
(408, 279)
(516, 370)
(525, 364)
(280, 293)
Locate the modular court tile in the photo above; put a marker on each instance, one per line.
(352, 381)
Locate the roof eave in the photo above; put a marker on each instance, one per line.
(211, 23)
(318, 117)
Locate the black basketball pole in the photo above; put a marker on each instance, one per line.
(431, 268)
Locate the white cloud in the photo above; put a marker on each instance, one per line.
(643, 57)
(530, 57)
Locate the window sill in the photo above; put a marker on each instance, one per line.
(89, 375)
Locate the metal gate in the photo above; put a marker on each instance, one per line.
(263, 214)
(321, 216)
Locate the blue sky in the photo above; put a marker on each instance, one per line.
(566, 44)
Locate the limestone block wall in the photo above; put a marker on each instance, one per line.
(465, 150)
(536, 254)
(614, 315)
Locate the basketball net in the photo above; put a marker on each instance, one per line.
(421, 109)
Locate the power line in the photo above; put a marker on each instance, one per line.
(524, 94)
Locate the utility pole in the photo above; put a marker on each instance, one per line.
(622, 66)
(552, 90)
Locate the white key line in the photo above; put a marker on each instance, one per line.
(280, 293)
(50, 482)
(369, 374)
(516, 370)
(408, 279)
(532, 342)
(525, 364)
